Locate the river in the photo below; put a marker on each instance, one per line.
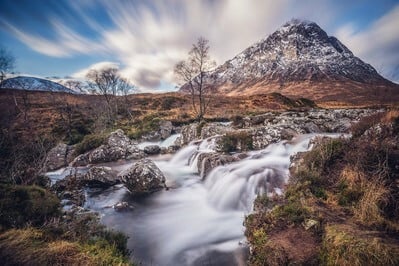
(196, 222)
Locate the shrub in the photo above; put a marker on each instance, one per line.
(90, 142)
(20, 205)
(236, 141)
(200, 127)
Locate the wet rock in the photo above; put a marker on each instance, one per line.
(71, 189)
(143, 177)
(81, 160)
(152, 149)
(136, 156)
(59, 156)
(165, 129)
(311, 127)
(118, 139)
(213, 129)
(122, 206)
(118, 146)
(208, 161)
(100, 176)
(188, 134)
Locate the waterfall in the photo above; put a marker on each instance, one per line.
(198, 221)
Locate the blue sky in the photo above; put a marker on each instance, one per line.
(145, 38)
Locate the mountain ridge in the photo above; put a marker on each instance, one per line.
(34, 84)
(298, 53)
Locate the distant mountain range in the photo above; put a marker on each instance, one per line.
(300, 60)
(34, 84)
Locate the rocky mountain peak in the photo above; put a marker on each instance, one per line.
(299, 51)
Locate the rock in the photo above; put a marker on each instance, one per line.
(173, 148)
(118, 146)
(81, 160)
(311, 127)
(136, 156)
(208, 161)
(143, 177)
(288, 133)
(59, 156)
(152, 149)
(100, 176)
(213, 129)
(118, 139)
(310, 223)
(71, 188)
(188, 134)
(165, 129)
(122, 206)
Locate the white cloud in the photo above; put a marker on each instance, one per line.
(378, 44)
(148, 37)
(81, 74)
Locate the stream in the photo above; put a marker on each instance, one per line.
(196, 222)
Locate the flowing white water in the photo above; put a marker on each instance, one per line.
(198, 222)
(163, 143)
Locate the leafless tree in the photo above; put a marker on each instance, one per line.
(191, 73)
(124, 89)
(74, 85)
(24, 105)
(7, 63)
(109, 83)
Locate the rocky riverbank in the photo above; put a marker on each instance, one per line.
(230, 142)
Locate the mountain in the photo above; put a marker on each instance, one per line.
(300, 60)
(34, 84)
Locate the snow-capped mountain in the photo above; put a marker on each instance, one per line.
(298, 54)
(34, 84)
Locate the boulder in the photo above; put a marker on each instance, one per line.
(100, 176)
(122, 206)
(143, 177)
(208, 161)
(165, 129)
(81, 160)
(118, 146)
(71, 189)
(59, 156)
(118, 139)
(213, 129)
(188, 134)
(152, 149)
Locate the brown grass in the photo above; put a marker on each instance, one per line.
(31, 247)
(347, 245)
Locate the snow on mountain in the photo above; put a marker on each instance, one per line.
(34, 84)
(298, 51)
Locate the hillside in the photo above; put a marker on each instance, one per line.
(34, 84)
(301, 60)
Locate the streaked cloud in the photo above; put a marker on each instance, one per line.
(378, 44)
(81, 74)
(148, 37)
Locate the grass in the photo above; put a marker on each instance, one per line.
(347, 245)
(22, 205)
(30, 246)
(90, 142)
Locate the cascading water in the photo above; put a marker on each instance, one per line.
(198, 222)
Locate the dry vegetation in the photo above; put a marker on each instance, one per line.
(342, 200)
